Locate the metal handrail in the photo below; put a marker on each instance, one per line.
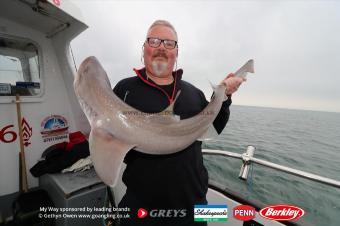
(247, 159)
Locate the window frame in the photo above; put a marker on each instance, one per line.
(37, 97)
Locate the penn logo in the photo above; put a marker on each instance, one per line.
(142, 213)
(244, 212)
(282, 212)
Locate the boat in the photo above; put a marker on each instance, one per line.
(35, 50)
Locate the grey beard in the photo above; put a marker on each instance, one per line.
(159, 67)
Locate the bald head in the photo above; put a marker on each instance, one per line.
(162, 23)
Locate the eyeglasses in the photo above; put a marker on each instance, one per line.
(156, 42)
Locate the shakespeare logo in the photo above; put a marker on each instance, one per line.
(210, 213)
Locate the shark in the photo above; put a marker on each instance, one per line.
(117, 127)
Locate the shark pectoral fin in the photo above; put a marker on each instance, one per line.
(210, 134)
(107, 154)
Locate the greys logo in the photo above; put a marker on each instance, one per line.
(167, 213)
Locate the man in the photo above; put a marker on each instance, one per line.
(171, 183)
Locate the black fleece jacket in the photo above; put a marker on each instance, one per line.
(174, 181)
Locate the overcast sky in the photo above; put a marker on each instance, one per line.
(295, 45)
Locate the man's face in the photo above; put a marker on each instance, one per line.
(160, 61)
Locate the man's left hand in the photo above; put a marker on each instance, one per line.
(232, 83)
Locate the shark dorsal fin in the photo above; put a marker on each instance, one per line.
(170, 109)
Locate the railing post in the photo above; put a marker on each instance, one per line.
(246, 162)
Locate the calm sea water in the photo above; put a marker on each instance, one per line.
(304, 140)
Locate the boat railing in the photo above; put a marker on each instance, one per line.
(247, 159)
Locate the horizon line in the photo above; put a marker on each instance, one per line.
(286, 108)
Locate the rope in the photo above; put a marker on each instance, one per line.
(74, 62)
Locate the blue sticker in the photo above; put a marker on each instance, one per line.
(35, 85)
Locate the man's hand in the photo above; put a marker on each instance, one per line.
(232, 83)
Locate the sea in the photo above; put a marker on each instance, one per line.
(300, 139)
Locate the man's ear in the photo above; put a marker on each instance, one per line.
(143, 49)
(142, 54)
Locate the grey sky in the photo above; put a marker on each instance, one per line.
(295, 45)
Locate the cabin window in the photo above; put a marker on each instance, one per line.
(19, 68)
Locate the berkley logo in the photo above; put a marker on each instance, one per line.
(282, 212)
(244, 212)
